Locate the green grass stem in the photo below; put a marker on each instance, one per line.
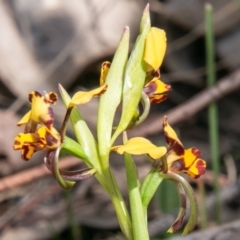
(212, 109)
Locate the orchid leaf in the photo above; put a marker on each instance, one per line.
(110, 100)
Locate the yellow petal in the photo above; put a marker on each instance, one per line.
(41, 109)
(84, 97)
(172, 138)
(156, 43)
(197, 169)
(104, 72)
(22, 138)
(155, 90)
(189, 157)
(139, 146)
(27, 152)
(24, 119)
(26, 143)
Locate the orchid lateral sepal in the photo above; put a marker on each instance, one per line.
(65, 178)
(182, 210)
(193, 215)
(51, 161)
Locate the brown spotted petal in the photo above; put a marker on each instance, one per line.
(156, 90)
(42, 112)
(29, 143)
(188, 163)
(172, 139)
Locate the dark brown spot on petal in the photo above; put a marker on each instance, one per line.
(25, 150)
(177, 166)
(50, 120)
(51, 141)
(17, 142)
(37, 94)
(52, 98)
(150, 88)
(30, 96)
(201, 166)
(178, 224)
(196, 152)
(178, 148)
(106, 64)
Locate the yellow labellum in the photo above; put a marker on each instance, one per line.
(156, 43)
(139, 146)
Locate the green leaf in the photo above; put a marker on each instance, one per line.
(110, 100)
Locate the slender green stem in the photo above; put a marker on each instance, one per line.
(149, 187)
(75, 231)
(119, 205)
(212, 110)
(139, 221)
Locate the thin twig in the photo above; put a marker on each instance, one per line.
(32, 174)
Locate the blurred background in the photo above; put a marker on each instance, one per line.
(46, 42)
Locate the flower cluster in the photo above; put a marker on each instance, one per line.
(133, 83)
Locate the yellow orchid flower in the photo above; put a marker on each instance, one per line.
(139, 146)
(180, 159)
(156, 90)
(42, 139)
(39, 133)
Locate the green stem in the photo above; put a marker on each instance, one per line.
(149, 187)
(139, 222)
(212, 110)
(119, 204)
